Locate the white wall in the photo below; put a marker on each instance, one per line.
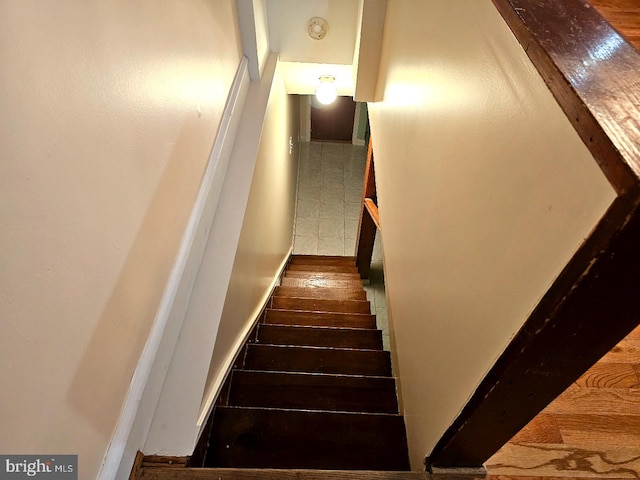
(262, 31)
(256, 202)
(366, 61)
(484, 190)
(267, 231)
(109, 112)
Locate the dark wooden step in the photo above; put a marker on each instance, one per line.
(320, 319)
(154, 461)
(322, 268)
(320, 283)
(322, 292)
(320, 305)
(318, 360)
(322, 275)
(322, 260)
(313, 392)
(172, 473)
(369, 339)
(273, 438)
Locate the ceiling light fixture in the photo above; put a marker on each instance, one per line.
(326, 91)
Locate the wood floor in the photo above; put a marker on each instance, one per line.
(591, 431)
(623, 15)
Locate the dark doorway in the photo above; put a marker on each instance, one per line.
(333, 122)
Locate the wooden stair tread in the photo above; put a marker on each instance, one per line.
(321, 319)
(318, 360)
(322, 268)
(320, 304)
(313, 391)
(322, 275)
(152, 461)
(321, 292)
(319, 260)
(275, 438)
(314, 282)
(360, 338)
(169, 473)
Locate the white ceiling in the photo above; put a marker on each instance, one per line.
(280, 26)
(303, 78)
(288, 36)
(303, 59)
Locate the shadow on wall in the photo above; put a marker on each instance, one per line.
(110, 358)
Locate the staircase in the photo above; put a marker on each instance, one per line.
(314, 389)
(310, 397)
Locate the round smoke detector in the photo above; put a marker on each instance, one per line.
(317, 28)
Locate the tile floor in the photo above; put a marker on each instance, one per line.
(330, 184)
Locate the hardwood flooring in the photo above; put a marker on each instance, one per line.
(592, 430)
(623, 15)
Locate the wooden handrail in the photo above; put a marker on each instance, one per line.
(372, 208)
(593, 74)
(369, 218)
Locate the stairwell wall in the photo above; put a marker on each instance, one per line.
(266, 238)
(485, 192)
(109, 113)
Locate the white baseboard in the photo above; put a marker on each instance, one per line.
(216, 386)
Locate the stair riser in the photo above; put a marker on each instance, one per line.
(255, 438)
(320, 337)
(313, 392)
(286, 317)
(318, 360)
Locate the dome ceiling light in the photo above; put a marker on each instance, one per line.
(326, 91)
